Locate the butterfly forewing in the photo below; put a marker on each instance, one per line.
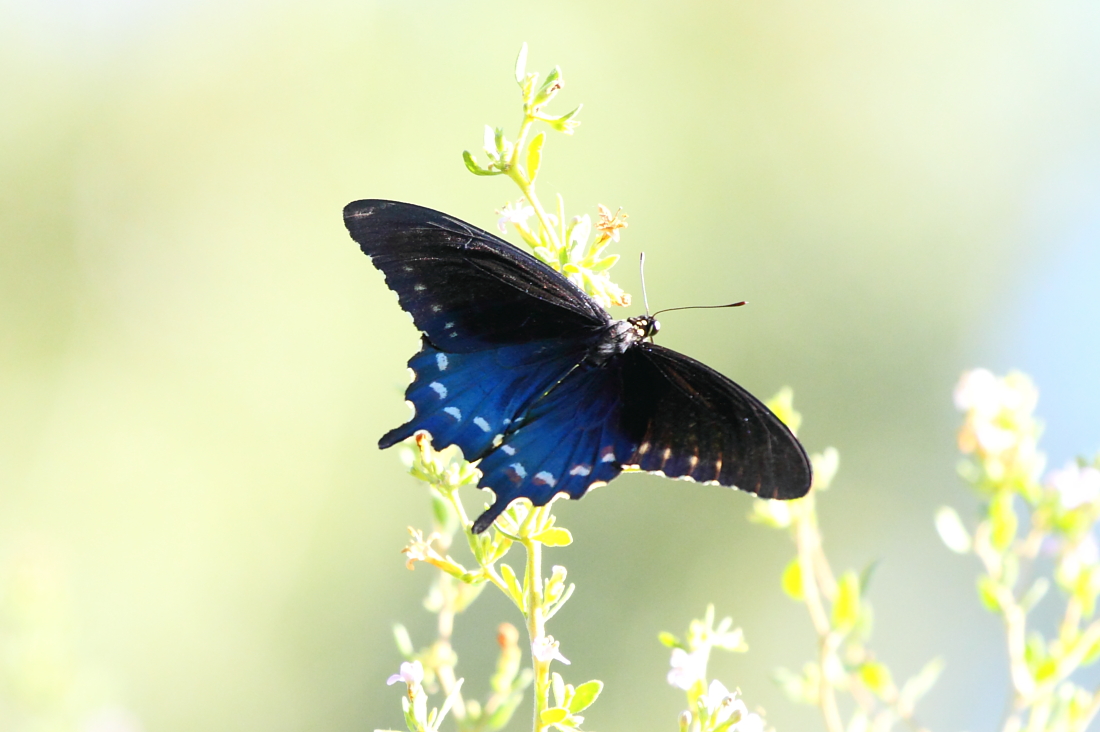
(698, 424)
(465, 288)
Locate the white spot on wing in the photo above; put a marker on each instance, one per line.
(453, 411)
(608, 455)
(448, 326)
(581, 470)
(643, 448)
(519, 469)
(480, 422)
(436, 308)
(438, 389)
(508, 449)
(419, 287)
(544, 477)
(441, 361)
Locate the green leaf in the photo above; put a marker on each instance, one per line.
(1003, 520)
(560, 688)
(669, 640)
(866, 575)
(876, 677)
(550, 88)
(987, 593)
(792, 580)
(554, 536)
(510, 580)
(846, 606)
(585, 694)
(521, 64)
(951, 530)
(473, 167)
(605, 263)
(404, 642)
(534, 156)
(554, 715)
(565, 123)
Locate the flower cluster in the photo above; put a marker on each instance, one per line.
(711, 708)
(1000, 429)
(839, 611)
(567, 245)
(1023, 518)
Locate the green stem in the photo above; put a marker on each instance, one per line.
(536, 625)
(516, 172)
(808, 541)
(528, 189)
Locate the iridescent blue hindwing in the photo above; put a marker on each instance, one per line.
(468, 399)
(571, 439)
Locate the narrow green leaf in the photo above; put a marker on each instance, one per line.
(669, 640)
(605, 263)
(554, 715)
(549, 89)
(876, 677)
(792, 580)
(554, 536)
(510, 580)
(521, 64)
(846, 606)
(557, 683)
(534, 156)
(585, 694)
(473, 167)
(866, 575)
(403, 640)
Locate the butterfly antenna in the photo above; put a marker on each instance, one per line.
(702, 307)
(641, 273)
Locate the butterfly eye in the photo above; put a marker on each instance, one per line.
(656, 327)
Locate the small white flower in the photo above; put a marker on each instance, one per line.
(721, 704)
(751, 722)
(1076, 486)
(513, 214)
(979, 390)
(545, 649)
(412, 673)
(993, 439)
(687, 668)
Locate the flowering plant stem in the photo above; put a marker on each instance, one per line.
(536, 623)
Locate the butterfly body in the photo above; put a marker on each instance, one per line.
(526, 373)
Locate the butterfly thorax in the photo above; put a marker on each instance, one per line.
(620, 336)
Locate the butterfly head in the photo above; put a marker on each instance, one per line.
(645, 326)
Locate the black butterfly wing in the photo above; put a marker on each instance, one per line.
(697, 424)
(466, 289)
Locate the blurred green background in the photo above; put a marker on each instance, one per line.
(196, 528)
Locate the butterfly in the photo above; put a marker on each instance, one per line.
(530, 376)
